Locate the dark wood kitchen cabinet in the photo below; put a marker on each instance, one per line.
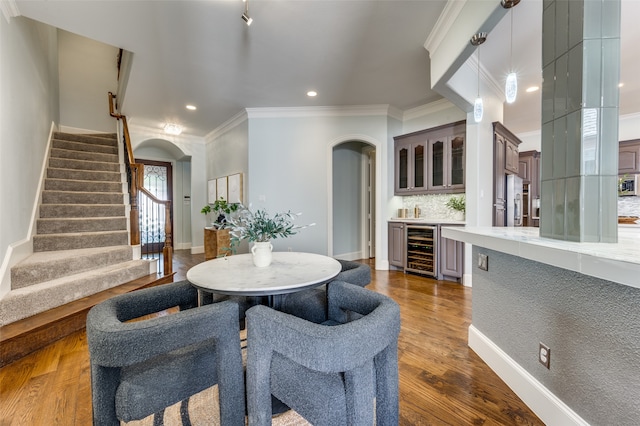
(430, 161)
(397, 245)
(629, 157)
(445, 161)
(505, 161)
(451, 259)
(410, 166)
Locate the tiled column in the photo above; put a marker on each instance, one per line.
(579, 166)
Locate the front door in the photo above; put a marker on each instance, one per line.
(158, 181)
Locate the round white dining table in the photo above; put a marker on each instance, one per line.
(289, 272)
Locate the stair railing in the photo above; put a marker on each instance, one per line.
(135, 177)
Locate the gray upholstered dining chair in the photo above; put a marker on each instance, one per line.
(329, 373)
(139, 368)
(311, 304)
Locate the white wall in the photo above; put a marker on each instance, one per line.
(88, 71)
(28, 107)
(289, 167)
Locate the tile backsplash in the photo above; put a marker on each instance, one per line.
(629, 206)
(433, 206)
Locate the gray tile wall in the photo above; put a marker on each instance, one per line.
(579, 155)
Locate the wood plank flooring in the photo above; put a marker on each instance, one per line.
(442, 381)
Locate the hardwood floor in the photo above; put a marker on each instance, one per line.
(442, 381)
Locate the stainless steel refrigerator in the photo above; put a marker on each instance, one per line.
(514, 200)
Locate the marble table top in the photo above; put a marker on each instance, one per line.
(288, 272)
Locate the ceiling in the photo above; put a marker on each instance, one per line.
(359, 52)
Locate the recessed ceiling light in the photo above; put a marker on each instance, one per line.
(312, 93)
(172, 129)
(191, 107)
(532, 89)
(620, 84)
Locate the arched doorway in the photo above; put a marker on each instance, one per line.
(353, 200)
(165, 154)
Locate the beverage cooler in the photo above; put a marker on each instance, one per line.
(422, 249)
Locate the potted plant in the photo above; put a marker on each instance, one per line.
(221, 209)
(457, 204)
(260, 228)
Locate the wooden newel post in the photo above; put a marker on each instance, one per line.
(167, 251)
(134, 216)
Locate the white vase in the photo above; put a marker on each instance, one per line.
(262, 253)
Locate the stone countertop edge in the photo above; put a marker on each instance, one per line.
(617, 262)
(426, 221)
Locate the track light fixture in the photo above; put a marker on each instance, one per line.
(245, 16)
(478, 107)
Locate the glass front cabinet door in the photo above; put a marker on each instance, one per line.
(431, 161)
(446, 160)
(410, 167)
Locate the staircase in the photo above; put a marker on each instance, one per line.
(81, 243)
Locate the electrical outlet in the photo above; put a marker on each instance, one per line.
(483, 262)
(544, 355)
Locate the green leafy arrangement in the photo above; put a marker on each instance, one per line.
(221, 209)
(457, 203)
(259, 226)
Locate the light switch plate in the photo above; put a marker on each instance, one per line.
(483, 262)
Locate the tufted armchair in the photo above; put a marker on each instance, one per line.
(329, 373)
(311, 304)
(139, 368)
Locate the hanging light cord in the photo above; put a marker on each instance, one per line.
(478, 71)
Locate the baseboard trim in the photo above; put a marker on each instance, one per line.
(548, 407)
(349, 256)
(197, 250)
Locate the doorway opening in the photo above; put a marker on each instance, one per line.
(158, 180)
(354, 219)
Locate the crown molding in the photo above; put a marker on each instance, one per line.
(496, 88)
(9, 9)
(228, 125)
(321, 111)
(430, 108)
(445, 21)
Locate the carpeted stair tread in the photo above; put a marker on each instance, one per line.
(74, 164)
(82, 146)
(28, 301)
(73, 174)
(81, 185)
(78, 197)
(107, 139)
(83, 155)
(51, 265)
(79, 210)
(77, 240)
(80, 224)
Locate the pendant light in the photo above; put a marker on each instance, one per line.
(511, 85)
(478, 108)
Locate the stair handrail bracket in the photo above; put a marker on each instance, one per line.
(135, 177)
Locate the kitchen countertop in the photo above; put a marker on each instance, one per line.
(426, 221)
(618, 262)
